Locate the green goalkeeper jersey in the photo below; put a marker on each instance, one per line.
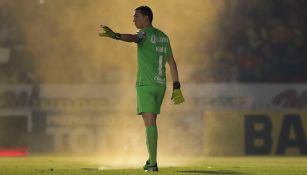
(153, 51)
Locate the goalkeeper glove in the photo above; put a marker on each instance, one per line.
(177, 96)
(107, 32)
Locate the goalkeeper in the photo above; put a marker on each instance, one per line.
(153, 50)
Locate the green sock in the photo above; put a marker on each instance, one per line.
(152, 140)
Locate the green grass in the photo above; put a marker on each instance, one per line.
(60, 165)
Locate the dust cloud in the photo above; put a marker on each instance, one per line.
(63, 35)
(62, 41)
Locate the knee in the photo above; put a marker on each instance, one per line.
(149, 119)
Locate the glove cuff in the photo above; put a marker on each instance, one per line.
(176, 85)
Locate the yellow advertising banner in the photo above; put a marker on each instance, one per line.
(255, 133)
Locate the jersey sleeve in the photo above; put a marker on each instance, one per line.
(141, 35)
(169, 51)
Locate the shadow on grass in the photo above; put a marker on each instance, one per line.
(211, 172)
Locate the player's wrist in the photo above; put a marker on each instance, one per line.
(176, 85)
(117, 36)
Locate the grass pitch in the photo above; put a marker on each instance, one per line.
(65, 165)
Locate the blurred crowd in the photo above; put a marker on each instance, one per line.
(14, 60)
(260, 41)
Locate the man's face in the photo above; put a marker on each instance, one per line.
(139, 19)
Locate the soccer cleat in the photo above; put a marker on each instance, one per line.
(147, 163)
(152, 168)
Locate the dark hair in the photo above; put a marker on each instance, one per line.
(146, 11)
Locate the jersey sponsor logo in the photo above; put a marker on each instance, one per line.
(154, 39)
(162, 40)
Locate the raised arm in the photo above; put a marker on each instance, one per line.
(128, 37)
(107, 32)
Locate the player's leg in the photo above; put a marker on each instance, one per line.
(149, 101)
(151, 140)
(149, 119)
(151, 135)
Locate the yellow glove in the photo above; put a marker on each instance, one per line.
(177, 96)
(107, 32)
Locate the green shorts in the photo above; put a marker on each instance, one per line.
(149, 99)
